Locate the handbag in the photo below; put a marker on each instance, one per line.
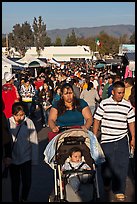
(51, 135)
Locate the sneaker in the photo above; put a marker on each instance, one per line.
(44, 125)
(120, 197)
(22, 201)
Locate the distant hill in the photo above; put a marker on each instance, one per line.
(112, 30)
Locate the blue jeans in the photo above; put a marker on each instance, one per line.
(46, 115)
(28, 108)
(74, 182)
(115, 169)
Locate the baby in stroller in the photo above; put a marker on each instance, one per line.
(75, 163)
(65, 154)
(78, 177)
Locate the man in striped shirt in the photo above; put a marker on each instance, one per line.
(116, 117)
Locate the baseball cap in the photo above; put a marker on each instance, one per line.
(8, 76)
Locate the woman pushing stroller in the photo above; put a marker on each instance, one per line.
(69, 111)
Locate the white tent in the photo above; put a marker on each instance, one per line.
(8, 65)
(52, 61)
(32, 62)
(26, 59)
(61, 53)
(35, 63)
(6, 61)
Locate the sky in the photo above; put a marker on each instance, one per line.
(63, 15)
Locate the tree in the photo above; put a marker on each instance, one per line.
(81, 41)
(91, 43)
(132, 38)
(21, 38)
(47, 41)
(73, 39)
(11, 40)
(39, 31)
(3, 41)
(124, 39)
(109, 44)
(58, 42)
(67, 41)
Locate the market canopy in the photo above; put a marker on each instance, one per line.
(9, 65)
(34, 63)
(8, 62)
(53, 61)
(113, 61)
(130, 56)
(99, 66)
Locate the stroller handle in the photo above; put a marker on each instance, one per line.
(51, 135)
(63, 128)
(79, 171)
(83, 173)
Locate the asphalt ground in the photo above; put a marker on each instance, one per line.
(43, 177)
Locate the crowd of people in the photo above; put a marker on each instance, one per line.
(71, 95)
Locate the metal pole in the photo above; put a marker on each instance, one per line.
(96, 47)
(60, 182)
(55, 177)
(96, 179)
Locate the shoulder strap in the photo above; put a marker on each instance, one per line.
(16, 137)
(81, 165)
(71, 166)
(78, 167)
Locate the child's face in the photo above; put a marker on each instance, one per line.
(58, 91)
(76, 157)
(19, 117)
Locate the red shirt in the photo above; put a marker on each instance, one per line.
(38, 83)
(9, 96)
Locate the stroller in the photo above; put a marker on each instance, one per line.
(57, 152)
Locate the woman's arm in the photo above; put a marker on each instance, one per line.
(88, 117)
(52, 120)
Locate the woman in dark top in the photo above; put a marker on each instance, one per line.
(69, 111)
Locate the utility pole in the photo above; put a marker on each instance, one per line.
(96, 47)
(7, 41)
(7, 44)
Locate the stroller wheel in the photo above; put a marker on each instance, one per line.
(53, 198)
